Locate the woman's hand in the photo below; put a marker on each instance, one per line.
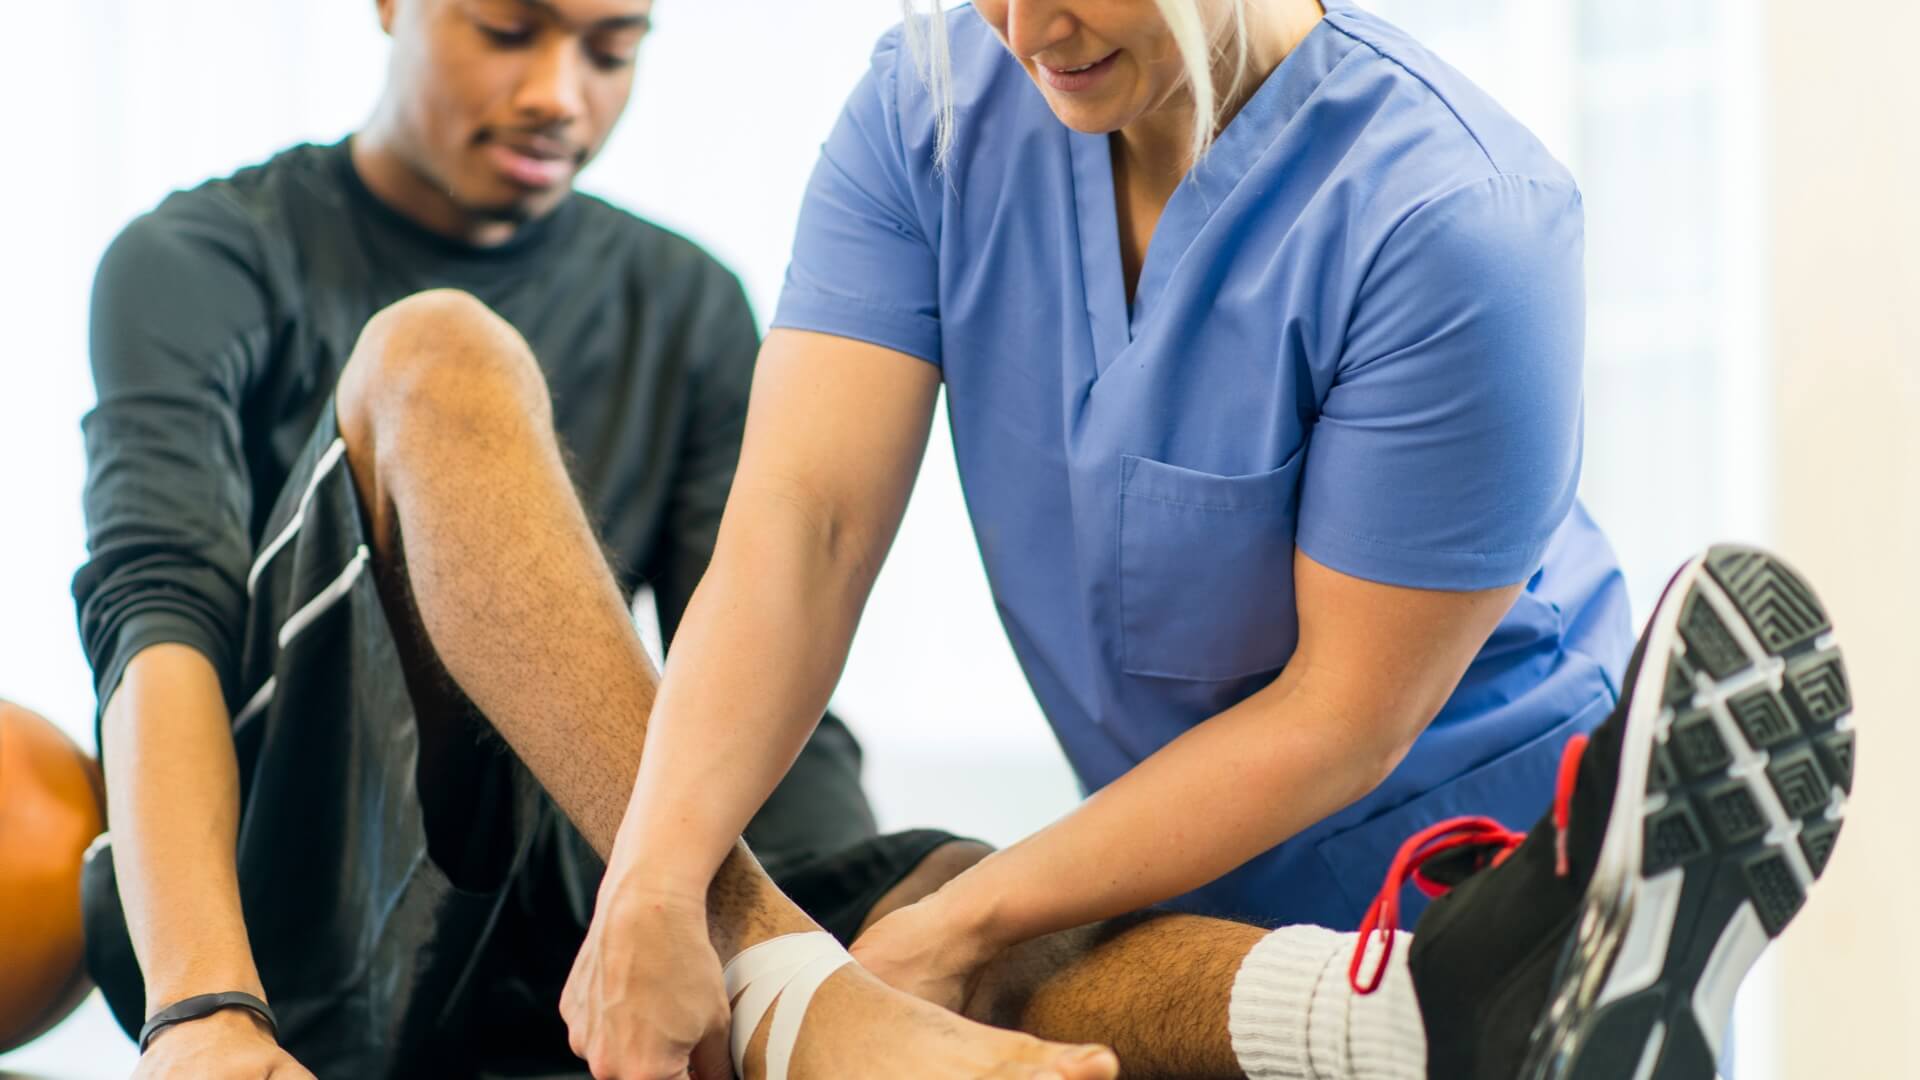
(646, 998)
(927, 949)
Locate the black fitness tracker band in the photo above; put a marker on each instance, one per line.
(200, 1005)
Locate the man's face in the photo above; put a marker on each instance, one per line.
(500, 102)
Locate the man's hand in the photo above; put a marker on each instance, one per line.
(646, 999)
(232, 1044)
(927, 950)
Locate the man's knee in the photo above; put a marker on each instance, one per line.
(439, 361)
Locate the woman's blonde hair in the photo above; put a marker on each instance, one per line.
(1211, 75)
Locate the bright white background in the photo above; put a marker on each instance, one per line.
(1656, 104)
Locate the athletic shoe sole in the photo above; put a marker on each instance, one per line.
(1735, 765)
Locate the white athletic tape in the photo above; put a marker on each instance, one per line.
(781, 974)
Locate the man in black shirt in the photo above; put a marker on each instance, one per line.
(389, 433)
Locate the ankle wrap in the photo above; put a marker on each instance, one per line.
(781, 974)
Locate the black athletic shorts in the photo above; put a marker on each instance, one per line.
(375, 962)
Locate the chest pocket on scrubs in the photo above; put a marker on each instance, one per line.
(1206, 570)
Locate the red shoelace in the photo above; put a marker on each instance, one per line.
(1383, 915)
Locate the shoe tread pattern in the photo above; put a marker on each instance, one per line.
(1776, 603)
(1747, 735)
(1794, 729)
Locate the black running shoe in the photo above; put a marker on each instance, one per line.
(1608, 942)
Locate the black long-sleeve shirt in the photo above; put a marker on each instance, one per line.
(220, 323)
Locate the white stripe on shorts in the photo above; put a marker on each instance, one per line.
(302, 619)
(327, 461)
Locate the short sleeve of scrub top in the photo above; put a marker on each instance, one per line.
(863, 265)
(1357, 334)
(1447, 449)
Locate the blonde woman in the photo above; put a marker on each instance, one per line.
(1261, 333)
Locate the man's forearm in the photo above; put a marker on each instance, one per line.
(174, 805)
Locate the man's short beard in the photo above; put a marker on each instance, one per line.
(518, 212)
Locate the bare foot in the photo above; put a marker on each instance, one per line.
(857, 1027)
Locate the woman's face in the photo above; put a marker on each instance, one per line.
(1102, 64)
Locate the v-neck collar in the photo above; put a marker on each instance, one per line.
(1234, 152)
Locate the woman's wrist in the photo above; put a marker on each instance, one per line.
(640, 880)
(676, 867)
(975, 914)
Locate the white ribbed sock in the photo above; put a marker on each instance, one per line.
(1293, 1015)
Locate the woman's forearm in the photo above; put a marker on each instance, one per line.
(835, 433)
(1325, 733)
(1222, 793)
(757, 655)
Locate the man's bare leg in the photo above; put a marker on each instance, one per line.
(1155, 988)
(448, 428)
(1158, 989)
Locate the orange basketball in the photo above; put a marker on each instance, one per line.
(49, 812)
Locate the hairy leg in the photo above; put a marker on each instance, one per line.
(448, 427)
(449, 434)
(1153, 987)
(466, 799)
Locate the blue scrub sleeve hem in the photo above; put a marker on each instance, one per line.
(916, 335)
(1418, 568)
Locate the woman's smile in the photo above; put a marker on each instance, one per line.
(1071, 80)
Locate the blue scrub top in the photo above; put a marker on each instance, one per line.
(1358, 331)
